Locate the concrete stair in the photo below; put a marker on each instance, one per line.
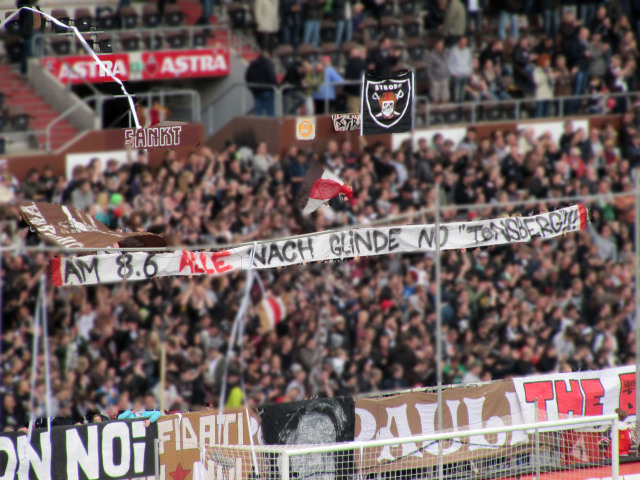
(19, 95)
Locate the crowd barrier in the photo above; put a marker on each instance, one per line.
(180, 442)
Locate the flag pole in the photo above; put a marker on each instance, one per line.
(163, 375)
(1, 320)
(34, 369)
(438, 335)
(637, 299)
(45, 343)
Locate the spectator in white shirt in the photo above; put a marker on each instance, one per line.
(460, 67)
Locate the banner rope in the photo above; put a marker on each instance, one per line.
(103, 66)
(236, 339)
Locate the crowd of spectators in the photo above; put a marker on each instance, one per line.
(545, 306)
(465, 50)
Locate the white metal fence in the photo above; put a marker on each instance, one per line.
(561, 448)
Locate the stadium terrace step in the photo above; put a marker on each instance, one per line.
(17, 93)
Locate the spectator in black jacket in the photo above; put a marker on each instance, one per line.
(312, 18)
(523, 64)
(578, 62)
(295, 97)
(356, 66)
(342, 17)
(601, 24)
(509, 10)
(382, 58)
(30, 23)
(436, 10)
(291, 21)
(549, 17)
(262, 71)
(495, 52)
(587, 11)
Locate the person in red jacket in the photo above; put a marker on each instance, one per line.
(624, 436)
(624, 433)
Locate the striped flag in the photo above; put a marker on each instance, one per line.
(320, 186)
(271, 312)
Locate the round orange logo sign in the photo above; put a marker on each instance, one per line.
(305, 128)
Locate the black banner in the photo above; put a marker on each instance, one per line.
(117, 450)
(323, 420)
(387, 103)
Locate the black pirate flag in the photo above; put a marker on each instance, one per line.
(386, 103)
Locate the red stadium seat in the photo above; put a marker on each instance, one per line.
(416, 49)
(173, 16)
(61, 45)
(328, 31)
(177, 39)
(287, 55)
(62, 16)
(309, 53)
(12, 27)
(130, 42)
(128, 18)
(411, 26)
(83, 19)
(150, 16)
(105, 43)
(390, 27)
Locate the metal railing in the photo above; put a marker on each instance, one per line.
(214, 120)
(220, 31)
(426, 113)
(429, 114)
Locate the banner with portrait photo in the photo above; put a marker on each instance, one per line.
(317, 421)
(387, 103)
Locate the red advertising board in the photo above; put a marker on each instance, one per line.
(132, 66)
(628, 471)
(75, 68)
(185, 64)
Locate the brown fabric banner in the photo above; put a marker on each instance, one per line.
(408, 414)
(184, 440)
(163, 135)
(72, 228)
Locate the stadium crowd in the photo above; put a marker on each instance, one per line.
(463, 50)
(544, 306)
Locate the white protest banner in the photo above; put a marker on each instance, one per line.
(346, 122)
(329, 246)
(559, 395)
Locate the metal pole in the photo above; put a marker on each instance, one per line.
(438, 338)
(163, 375)
(34, 368)
(45, 341)
(426, 114)
(537, 445)
(615, 450)
(1, 307)
(637, 292)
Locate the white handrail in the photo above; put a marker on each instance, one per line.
(294, 450)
